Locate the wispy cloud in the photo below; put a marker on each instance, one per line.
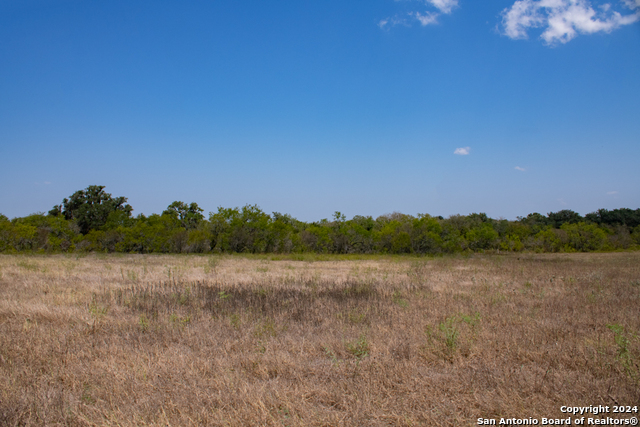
(392, 21)
(463, 151)
(611, 193)
(563, 20)
(518, 168)
(444, 6)
(424, 18)
(427, 18)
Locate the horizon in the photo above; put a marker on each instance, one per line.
(445, 107)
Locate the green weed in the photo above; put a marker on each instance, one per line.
(360, 348)
(622, 338)
(266, 328)
(397, 299)
(97, 311)
(143, 322)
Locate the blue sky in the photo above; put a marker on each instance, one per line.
(364, 107)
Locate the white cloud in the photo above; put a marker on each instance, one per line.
(444, 6)
(426, 18)
(563, 20)
(392, 21)
(518, 168)
(632, 4)
(462, 151)
(611, 193)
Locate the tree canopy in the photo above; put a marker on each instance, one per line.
(90, 208)
(91, 219)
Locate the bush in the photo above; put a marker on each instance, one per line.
(584, 237)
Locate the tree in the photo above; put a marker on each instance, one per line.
(566, 216)
(189, 215)
(535, 221)
(624, 216)
(239, 230)
(90, 208)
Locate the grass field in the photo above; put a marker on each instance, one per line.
(315, 341)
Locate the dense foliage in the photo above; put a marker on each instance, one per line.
(92, 220)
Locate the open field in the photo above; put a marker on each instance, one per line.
(231, 340)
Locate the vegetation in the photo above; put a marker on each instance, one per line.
(237, 340)
(93, 220)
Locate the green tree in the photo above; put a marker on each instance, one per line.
(585, 237)
(189, 215)
(535, 221)
(426, 232)
(548, 240)
(359, 232)
(483, 237)
(316, 237)
(90, 208)
(393, 235)
(284, 233)
(624, 216)
(566, 216)
(635, 236)
(240, 230)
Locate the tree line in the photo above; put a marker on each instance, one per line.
(93, 220)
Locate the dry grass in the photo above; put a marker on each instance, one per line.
(190, 340)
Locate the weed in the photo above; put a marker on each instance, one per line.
(472, 321)
(359, 348)
(396, 298)
(450, 330)
(627, 358)
(356, 317)
(29, 266)
(184, 298)
(331, 355)
(359, 289)
(235, 320)
(86, 397)
(143, 322)
(621, 340)
(97, 311)
(179, 320)
(132, 275)
(211, 265)
(266, 328)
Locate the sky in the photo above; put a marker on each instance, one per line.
(365, 107)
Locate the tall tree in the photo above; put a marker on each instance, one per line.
(90, 208)
(566, 216)
(189, 215)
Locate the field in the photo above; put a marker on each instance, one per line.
(107, 340)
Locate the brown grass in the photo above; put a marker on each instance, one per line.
(230, 340)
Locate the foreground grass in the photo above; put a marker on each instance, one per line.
(193, 340)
